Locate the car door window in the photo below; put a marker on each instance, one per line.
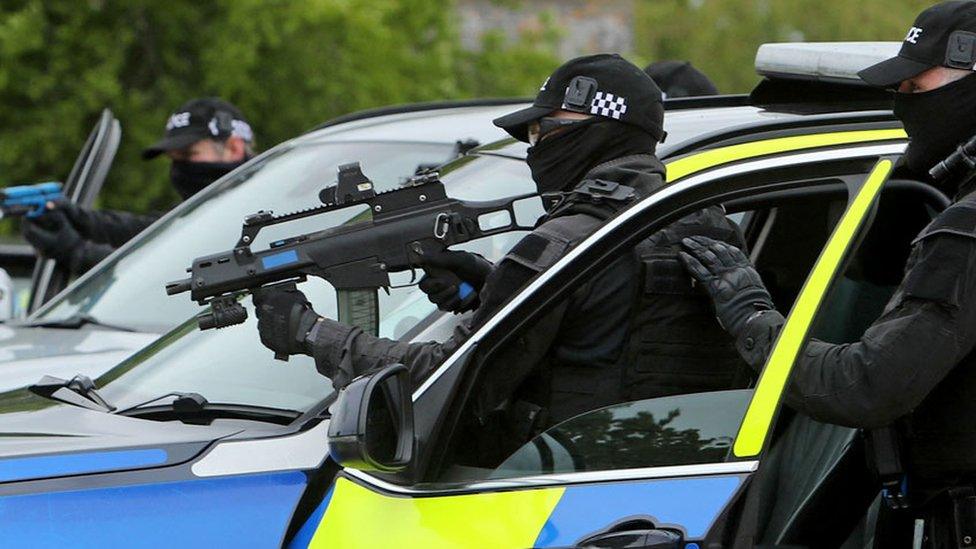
(667, 431)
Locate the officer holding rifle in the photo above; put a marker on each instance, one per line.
(914, 369)
(593, 130)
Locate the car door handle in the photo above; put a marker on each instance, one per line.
(638, 538)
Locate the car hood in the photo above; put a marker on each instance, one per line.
(65, 429)
(27, 354)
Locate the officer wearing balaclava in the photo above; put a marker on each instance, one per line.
(913, 371)
(593, 130)
(205, 139)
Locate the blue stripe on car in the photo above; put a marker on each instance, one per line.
(241, 511)
(75, 464)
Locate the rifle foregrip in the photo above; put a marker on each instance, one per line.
(224, 312)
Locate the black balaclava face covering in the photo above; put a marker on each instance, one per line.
(560, 161)
(937, 122)
(189, 178)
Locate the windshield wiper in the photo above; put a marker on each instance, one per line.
(193, 408)
(78, 391)
(76, 321)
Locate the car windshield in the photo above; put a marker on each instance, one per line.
(231, 366)
(127, 291)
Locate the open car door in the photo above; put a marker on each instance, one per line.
(82, 186)
(664, 472)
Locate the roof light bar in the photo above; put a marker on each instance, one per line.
(837, 62)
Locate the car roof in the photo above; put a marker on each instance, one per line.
(441, 122)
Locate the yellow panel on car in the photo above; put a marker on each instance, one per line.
(703, 160)
(359, 517)
(769, 391)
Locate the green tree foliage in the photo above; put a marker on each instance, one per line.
(291, 64)
(720, 37)
(288, 64)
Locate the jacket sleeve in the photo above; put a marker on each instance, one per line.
(927, 328)
(88, 254)
(111, 227)
(343, 352)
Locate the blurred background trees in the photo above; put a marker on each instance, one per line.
(292, 64)
(288, 64)
(720, 37)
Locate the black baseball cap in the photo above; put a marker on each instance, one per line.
(943, 35)
(207, 117)
(680, 79)
(604, 85)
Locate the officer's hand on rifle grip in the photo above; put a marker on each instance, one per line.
(453, 279)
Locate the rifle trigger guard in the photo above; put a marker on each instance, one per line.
(442, 225)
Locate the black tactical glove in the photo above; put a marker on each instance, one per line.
(285, 318)
(81, 218)
(446, 275)
(52, 235)
(731, 281)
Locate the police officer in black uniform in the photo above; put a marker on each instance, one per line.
(205, 138)
(914, 369)
(593, 129)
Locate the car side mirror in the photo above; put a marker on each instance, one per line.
(371, 428)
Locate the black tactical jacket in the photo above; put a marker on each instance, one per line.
(577, 348)
(102, 231)
(914, 364)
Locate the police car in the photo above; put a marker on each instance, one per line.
(201, 439)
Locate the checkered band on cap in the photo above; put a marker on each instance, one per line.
(606, 104)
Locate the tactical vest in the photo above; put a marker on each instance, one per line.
(676, 345)
(673, 343)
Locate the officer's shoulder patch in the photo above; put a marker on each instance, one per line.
(957, 220)
(570, 228)
(539, 250)
(530, 248)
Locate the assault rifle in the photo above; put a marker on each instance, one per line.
(28, 200)
(407, 224)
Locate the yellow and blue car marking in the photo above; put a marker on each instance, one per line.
(356, 516)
